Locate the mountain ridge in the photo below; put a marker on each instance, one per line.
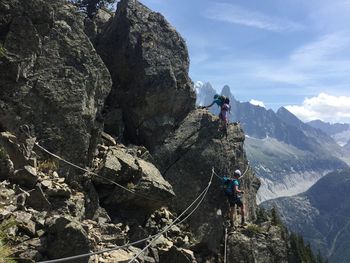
(321, 215)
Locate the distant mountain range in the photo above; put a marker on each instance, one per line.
(340, 132)
(346, 147)
(288, 155)
(321, 215)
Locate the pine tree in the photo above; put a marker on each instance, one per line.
(299, 252)
(262, 215)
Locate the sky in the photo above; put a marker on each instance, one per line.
(291, 53)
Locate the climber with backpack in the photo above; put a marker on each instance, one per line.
(232, 192)
(224, 104)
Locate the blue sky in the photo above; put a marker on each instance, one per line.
(293, 53)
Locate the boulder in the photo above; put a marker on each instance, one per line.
(109, 233)
(11, 150)
(163, 243)
(38, 200)
(124, 256)
(25, 223)
(26, 177)
(177, 255)
(7, 195)
(186, 160)
(139, 176)
(120, 256)
(148, 61)
(29, 251)
(66, 237)
(51, 77)
(108, 139)
(6, 166)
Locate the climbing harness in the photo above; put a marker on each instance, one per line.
(175, 222)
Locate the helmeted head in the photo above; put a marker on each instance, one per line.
(216, 96)
(237, 173)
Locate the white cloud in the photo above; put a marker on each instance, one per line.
(324, 107)
(237, 15)
(326, 47)
(257, 103)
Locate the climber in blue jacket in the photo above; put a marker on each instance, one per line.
(232, 191)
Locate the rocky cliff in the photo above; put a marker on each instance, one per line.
(56, 91)
(51, 77)
(195, 142)
(148, 61)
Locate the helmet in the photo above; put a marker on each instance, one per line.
(237, 173)
(216, 96)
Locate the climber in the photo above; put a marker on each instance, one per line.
(225, 109)
(232, 191)
(224, 104)
(218, 100)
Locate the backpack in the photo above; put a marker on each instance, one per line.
(226, 186)
(224, 99)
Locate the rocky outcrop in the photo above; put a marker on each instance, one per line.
(53, 218)
(148, 61)
(66, 237)
(46, 218)
(186, 160)
(148, 189)
(51, 77)
(258, 243)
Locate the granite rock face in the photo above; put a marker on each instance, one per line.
(51, 77)
(186, 160)
(148, 61)
(262, 243)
